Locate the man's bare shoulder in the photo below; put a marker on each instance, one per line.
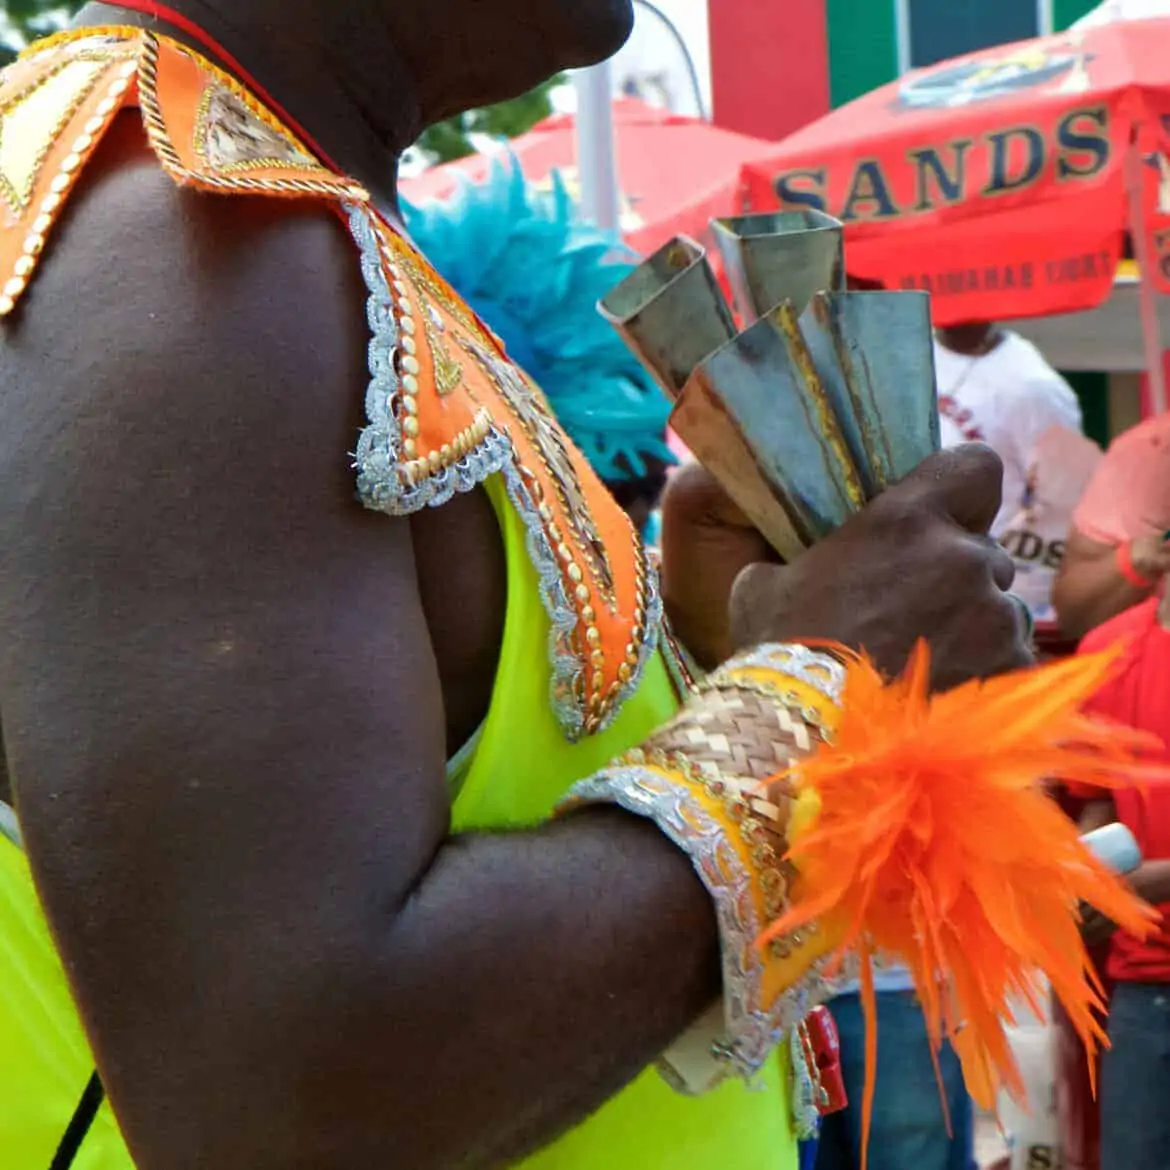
(185, 378)
(166, 325)
(182, 387)
(150, 278)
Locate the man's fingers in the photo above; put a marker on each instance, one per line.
(965, 483)
(1003, 568)
(706, 541)
(758, 589)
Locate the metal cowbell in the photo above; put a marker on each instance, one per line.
(671, 312)
(820, 403)
(757, 414)
(780, 256)
(874, 355)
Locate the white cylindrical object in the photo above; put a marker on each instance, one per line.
(1032, 1130)
(1115, 846)
(1147, 294)
(596, 149)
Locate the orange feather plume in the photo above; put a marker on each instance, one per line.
(935, 845)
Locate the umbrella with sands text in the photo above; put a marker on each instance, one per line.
(1004, 182)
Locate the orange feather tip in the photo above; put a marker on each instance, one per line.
(934, 844)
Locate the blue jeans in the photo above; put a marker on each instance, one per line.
(909, 1130)
(1135, 1079)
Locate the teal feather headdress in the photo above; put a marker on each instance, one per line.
(534, 273)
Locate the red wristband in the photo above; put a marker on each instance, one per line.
(1126, 569)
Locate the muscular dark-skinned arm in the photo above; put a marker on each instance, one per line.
(1151, 881)
(227, 736)
(1089, 588)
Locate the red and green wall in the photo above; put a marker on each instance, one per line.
(777, 65)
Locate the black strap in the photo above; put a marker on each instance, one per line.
(86, 1111)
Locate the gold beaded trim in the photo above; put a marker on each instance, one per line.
(156, 129)
(569, 552)
(748, 811)
(416, 469)
(67, 172)
(529, 407)
(601, 699)
(19, 199)
(448, 372)
(145, 47)
(434, 287)
(683, 673)
(584, 692)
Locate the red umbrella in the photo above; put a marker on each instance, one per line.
(1004, 182)
(676, 173)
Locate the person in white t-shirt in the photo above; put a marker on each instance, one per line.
(995, 387)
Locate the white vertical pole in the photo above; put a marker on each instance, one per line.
(1045, 18)
(1147, 294)
(902, 35)
(596, 153)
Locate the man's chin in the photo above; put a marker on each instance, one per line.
(603, 27)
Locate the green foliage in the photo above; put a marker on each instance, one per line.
(28, 19)
(450, 139)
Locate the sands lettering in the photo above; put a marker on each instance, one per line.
(1012, 159)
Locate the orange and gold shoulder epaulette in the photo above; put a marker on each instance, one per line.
(446, 408)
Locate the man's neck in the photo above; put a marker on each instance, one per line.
(356, 101)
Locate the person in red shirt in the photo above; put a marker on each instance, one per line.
(1116, 552)
(1135, 1076)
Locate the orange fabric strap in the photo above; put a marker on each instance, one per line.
(201, 37)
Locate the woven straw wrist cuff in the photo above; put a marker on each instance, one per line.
(702, 778)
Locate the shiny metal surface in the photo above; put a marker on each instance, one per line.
(825, 399)
(780, 256)
(671, 312)
(874, 354)
(766, 382)
(716, 438)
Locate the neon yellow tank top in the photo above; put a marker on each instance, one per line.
(521, 766)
